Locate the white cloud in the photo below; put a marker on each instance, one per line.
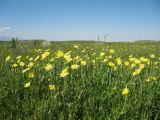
(4, 28)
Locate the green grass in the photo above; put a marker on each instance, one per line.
(93, 91)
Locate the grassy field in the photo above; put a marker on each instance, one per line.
(80, 80)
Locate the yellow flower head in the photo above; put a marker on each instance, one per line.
(152, 56)
(48, 67)
(30, 65)
(14, 65)
(31, 75)
(64, 73)
(19, 57)
(52, 87)
(8, 58)
(111, 64)
(45, 54)
(27, 85)
(119, 62)
(25, 70)
(126, 63)
(83, 62)
(59, 53)
(125, 91)
(36, 58)
(21, 64)
(74, 66)
(111, 51)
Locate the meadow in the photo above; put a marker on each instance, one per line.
(80, 80)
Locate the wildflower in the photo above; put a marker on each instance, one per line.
(102, 54)
(150, 78)
(51, 87)
(36, 58)
(30, 65)
(67, 57)
(83, 62)
(119, 62)
(156, 63)
(27, 85)
(125, 91)
(141, 66)
(105, 60)
(111, 64)
(48, 67)
(30, 59)
(14, 65)
(152, 56)
(25, 70)
(51, 60)
(21, 64)
(137, 72)
(74, 66)
(111, 51)
(83, 51)
(64, 73)
(8, 58)
(133, 65)
(59, 53)
(126, 63)
(76, 46)
(19, 57)
(45, 54)
(31, 75)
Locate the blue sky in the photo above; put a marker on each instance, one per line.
(121, 20)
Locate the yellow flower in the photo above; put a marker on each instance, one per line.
(27, 85)
(68, 58)
(137, 72)
(119, 62)
(64, 73)
(48, 67)
(19, 57)
(30, 65)
(25, 70)
(52, 87)
(111, 64)
(45, 54)
(59, 53)
(76, 46)
(83, 51)
(21, 64)
(126, 63)
(105, 60)
(31, 75)
(8, 58)
(36, 58)
(14, 65)
(83, 62)
(133, 65)
(152, 56)
(111, 51)
(102, 54)
(30, 59)
(150, 78)
(125, 91)
(156, 63)
(51, 60)
(141, 66)
(74, 66)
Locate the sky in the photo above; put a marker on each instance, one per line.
(111, 20)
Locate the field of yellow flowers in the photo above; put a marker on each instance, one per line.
(80, 80)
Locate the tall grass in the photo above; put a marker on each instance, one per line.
(92, 91)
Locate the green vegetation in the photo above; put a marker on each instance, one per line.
(80, 80)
